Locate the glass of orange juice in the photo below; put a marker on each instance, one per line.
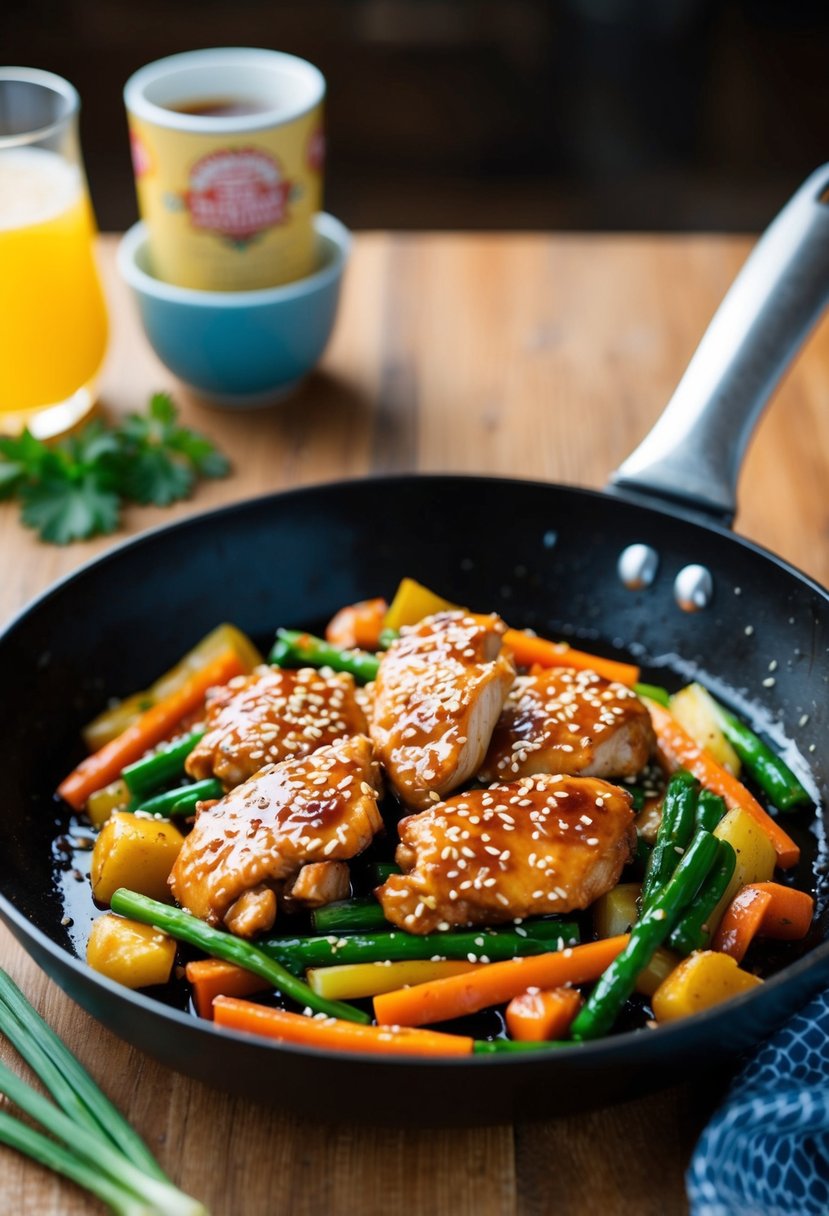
(53, 326)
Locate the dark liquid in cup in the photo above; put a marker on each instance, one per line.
(220, 107)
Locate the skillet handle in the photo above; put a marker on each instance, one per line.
(694, 452)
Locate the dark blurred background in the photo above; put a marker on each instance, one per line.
(586, 114)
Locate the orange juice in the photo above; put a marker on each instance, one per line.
(53, 325)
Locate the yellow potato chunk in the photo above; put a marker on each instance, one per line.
(703, 979)
(755, 857)
(412, 602)
(615, 913)
(102, 803)
(695, 709)
(136, 853)
(132, 954)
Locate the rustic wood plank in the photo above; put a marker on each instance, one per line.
(535, 356)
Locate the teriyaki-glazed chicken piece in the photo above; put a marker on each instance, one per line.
(437, 697)
(567, 721)
(543, 844)
(271, 715)
(248, 845)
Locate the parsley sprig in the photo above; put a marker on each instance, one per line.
(75, 488)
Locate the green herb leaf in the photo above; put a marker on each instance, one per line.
(19, 459)
(152, 476)
(64, 509)
(73, 489)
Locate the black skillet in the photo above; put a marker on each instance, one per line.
(554, 558)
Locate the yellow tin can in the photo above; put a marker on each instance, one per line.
(228, 151)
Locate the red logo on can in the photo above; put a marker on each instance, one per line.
(237, 193)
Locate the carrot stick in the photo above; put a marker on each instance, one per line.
(681, 751)
(535, 1016)
(212, 977)
(741, 922)
(789, 915)
(334, 1033)
(527, 650)
(495, 983)
(357, 626)
(155, 724)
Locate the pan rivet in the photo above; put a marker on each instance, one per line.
(693, 588)
(637, 566)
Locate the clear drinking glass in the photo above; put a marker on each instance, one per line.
(53, 326)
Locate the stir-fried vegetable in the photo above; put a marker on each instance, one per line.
(116, 718)
(137, 956)
(703, 979)
(358, 625)
(182, 800)
(674, 835)
(295, 649)
(763, 909)
(538, 1015)
(134, 852)
(155, 770)
(331, 1032)
(529, 651)
(693, 930)
(658, 920)
(707, 878)
(681, 751)
(145, 732)
(187, 928)
(495, 984)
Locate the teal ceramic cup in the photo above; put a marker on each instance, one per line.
(239, 349)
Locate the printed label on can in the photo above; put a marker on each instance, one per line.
(237, 193)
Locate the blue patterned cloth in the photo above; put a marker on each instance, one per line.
(766, 1150)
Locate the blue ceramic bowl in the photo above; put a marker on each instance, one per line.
(239, 348)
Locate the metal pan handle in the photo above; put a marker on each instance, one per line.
(694, 452)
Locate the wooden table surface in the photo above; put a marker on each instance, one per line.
(535, 355)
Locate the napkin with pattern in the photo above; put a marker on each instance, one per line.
(766, 1150)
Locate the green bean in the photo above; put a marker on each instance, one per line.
(147, 774)
(692, 931)
(293, 649)
(654, 692)
(496, 1047)
(349, 916)
(299, 953)
(381, 870)
(675, 832)
(183, 799)
(387, 636)
(711, 809)
(772, 774)
(597, 1015)
(186, 928)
